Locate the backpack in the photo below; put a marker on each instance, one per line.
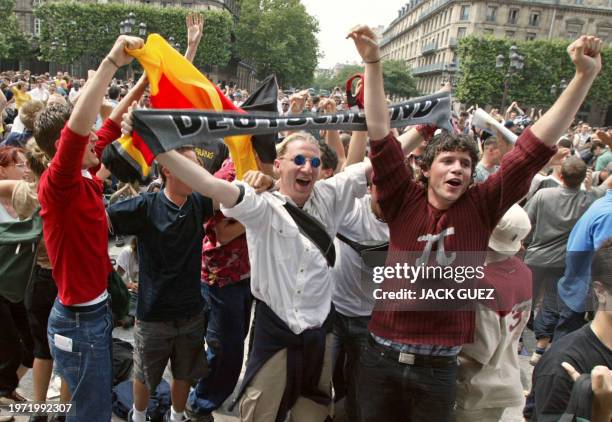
(120, 296)
(18, 249)
(123, 360)
(159, 402)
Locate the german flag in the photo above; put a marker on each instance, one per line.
(174, 84)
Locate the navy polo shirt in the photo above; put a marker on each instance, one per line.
(169, 252)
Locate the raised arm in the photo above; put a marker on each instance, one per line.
(195, 30)
(585, 52)
(86, 110)
(332, 137)
(199, 179)
(377, 114)
(357, 147)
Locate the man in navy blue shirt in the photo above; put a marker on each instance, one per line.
(169, 321)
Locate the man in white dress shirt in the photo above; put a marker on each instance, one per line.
(289, 275)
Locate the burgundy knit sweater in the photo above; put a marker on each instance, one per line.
(465, 226)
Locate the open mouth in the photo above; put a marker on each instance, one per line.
(302, 182)
(454, 182)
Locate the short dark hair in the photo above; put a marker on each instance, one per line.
(48, 126)
(596, 144)
(573, 171)
(492, 140)
(329, 158)
(564, 143)
(601, 265)
(113, 92)
(446, 141)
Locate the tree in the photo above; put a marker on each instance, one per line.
(278, 36)
(546, 63)
(13, 43)
(398, 79)
(91, 29)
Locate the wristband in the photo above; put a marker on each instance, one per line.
(113, 62)
(373, 62)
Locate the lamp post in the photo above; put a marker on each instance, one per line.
(173, 44)
(54, 46)
(516, 63)
(449, 73)
(560, 89)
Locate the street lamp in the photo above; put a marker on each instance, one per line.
(449, 72)
(54, 47)
(516, 63)
(562, 86)
(142, 29)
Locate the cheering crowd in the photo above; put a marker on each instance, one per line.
(294, 240)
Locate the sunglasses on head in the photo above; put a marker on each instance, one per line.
(300, 160)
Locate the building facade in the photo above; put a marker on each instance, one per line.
(425, 32)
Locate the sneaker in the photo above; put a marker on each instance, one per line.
(535, 358)
(196, 417)
(40, 418)
(131, 412)
(167, 418)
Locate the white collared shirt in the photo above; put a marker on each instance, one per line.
(288, 272)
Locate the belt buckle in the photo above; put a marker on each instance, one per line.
(407, 358)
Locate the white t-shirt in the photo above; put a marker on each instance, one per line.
(128, 260)
(353, 285)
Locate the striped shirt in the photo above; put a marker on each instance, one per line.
(464, 227)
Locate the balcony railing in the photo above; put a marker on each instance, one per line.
(430, 68)
(429, 48)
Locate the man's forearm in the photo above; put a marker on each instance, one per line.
(410, 140)
(558, 118)
(377, 114)
(133, 94)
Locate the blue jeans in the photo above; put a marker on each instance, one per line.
(548, 315)
(350, 336)
(86, 363)
(391, 391)
(568, 321)
(229, 317)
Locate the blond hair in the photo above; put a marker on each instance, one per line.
(281, 148)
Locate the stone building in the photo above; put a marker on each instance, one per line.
(425, 32)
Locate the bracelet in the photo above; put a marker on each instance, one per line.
(374, 62)
(113, 62)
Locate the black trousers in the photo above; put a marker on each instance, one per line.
(16, 344)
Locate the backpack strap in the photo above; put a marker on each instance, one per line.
(313, 230)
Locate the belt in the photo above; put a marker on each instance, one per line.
(413, 359)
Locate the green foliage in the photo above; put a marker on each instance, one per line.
(91, 29)
(397, 76)
(278, 36)
(398, 79)
(13, 43)
(546, 64)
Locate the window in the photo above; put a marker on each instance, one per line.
(534, 19)
(36, 27)
(530, 36)
(571, 35)
(465, 13)
(491, 13)
(509, 34)
(579, 1)
(513, 15)
(461, 32)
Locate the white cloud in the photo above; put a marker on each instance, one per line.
(337, 17)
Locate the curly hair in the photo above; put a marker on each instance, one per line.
(28, 113)
(447, 142)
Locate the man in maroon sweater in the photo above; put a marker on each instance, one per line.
(410, 365)
(76, 236)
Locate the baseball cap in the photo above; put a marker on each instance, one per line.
(513, 227)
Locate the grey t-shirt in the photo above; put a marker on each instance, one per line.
(553, 213)
(483, 173)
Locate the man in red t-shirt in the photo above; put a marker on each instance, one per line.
(411, 361)
(76, 236)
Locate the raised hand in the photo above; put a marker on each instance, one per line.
(604, 137)
(365, 42)
(195, 28)
(585, 53)
(257, 180)
(118, 53)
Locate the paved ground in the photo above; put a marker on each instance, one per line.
(223, 415)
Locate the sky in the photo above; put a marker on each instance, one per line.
(337, 17)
